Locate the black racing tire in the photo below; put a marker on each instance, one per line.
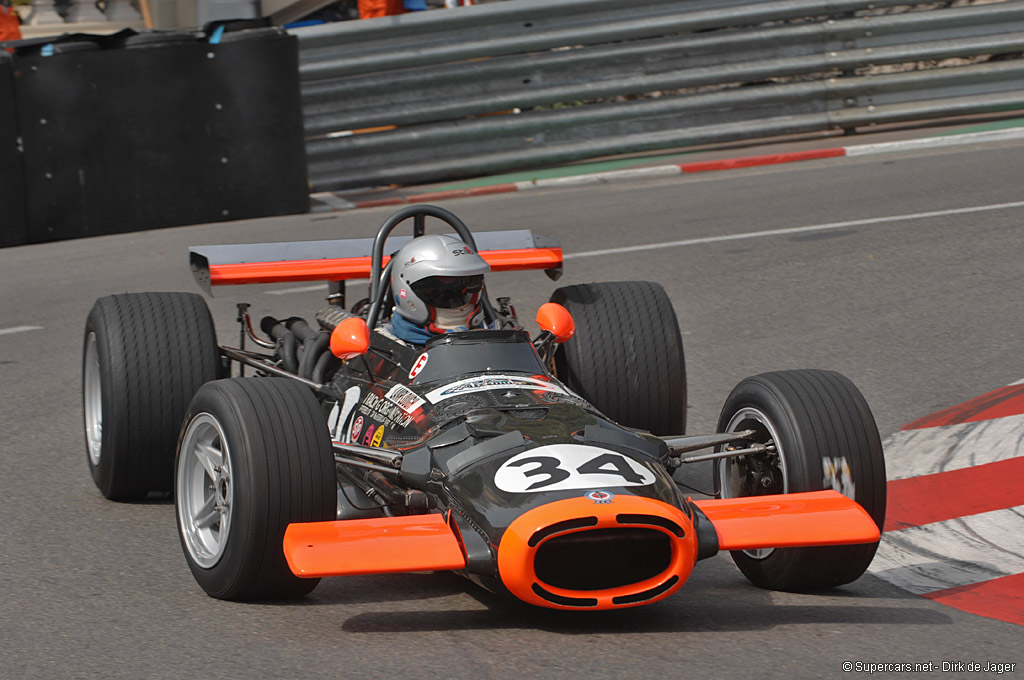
(145, 355)
(254, 456)
(626, 357)
(827, 439)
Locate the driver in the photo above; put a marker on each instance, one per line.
(437, 281)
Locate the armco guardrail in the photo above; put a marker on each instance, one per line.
(577, 79)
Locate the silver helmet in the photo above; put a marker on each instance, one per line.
(435, 271)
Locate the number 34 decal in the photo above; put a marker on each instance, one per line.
(569, 466)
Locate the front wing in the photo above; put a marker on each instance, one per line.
(428, 542)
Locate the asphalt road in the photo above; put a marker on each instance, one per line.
(922, 312)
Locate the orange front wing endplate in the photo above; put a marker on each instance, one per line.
(786, 521)
(372, 546)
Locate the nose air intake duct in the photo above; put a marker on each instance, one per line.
(578, 554)
(602, 558)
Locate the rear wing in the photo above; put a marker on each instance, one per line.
(343, 259)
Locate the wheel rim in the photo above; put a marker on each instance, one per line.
(204, 490)
(92, 389)
(732, 471)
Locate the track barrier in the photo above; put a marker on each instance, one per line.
(104, 134)
(109, 134)
(481, 90)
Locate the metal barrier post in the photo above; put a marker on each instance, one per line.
(121, 10)
(44, 12)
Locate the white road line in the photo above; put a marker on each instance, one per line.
(955, 552)
(794, 230)
(19, 329)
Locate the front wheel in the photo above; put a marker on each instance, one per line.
(254, 455)
(821, 435)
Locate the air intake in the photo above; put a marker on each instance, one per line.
(602, 558)
(578, 553)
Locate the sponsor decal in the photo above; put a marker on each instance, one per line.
(378, 436)
(418, 366)
(558, 467)
(492, 382)
(384, 410)
(368, 437)
(599, 496)
(357, 427)
(402, 293)
(462, 251)
(838, 476)
(404, 398)
(338, 418)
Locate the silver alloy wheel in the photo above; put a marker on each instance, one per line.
(205, 491)
(728, 469)
(92, 389)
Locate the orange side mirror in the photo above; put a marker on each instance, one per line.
(350, 338)
(556, 319)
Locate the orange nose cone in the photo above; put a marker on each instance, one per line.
(350, 338)
(613, 552)
(555, 318)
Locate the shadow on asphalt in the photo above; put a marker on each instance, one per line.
(709, 602)
(666, 617)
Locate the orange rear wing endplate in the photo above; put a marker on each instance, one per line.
(344, 259)
(789, 520)
(384, 545)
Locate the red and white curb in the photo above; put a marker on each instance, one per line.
(954, 526)
(332, 202)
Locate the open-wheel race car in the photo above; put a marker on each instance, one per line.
(537, 467)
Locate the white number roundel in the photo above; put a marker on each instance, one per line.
(558, 467)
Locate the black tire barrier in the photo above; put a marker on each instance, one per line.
(121, 133)
(14, 226)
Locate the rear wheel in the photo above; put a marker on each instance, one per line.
(254, 456)
(144, 356)
(626, 357)
(823, 436)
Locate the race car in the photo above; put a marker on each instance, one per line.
(540, 468)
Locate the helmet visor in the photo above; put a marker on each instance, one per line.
(449, 292)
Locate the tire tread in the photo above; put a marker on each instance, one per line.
(284, 445)
(626, 357)
(156, 350)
